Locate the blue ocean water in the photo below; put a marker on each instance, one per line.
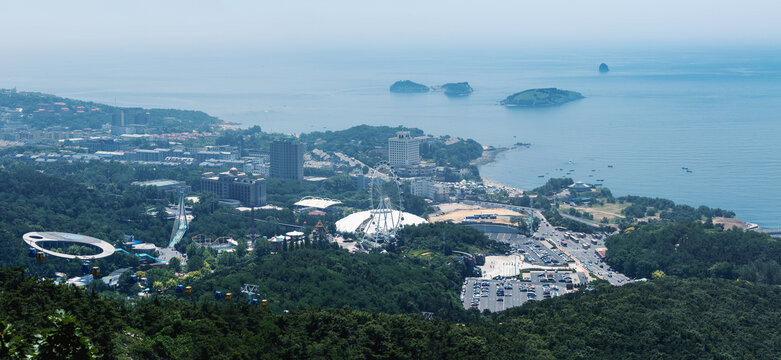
(715, 112)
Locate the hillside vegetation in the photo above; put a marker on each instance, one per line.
(78, 114)
(541, 97)
(695, 249)
(662, 319)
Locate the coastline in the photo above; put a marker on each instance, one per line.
(514, 191)
(510, 190)
(490, 153)
(489, 156)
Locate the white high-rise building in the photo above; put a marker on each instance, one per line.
(403, 150)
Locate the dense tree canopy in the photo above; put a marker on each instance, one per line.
(71, 116)
(33, 201)
(456, 237)
(553, 186)
(668, 318)
(695, 249)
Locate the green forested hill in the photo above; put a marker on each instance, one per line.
(668, 318)
(695, 249)
(78, 114)
(33, 201)
(317, 274)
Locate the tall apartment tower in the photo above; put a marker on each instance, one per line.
(287, 159)
(403, 150)
(119, 122)
(119, 118)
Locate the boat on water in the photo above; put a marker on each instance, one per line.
(540, 175)
(610, 166)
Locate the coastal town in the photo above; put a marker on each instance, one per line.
(564, 256)
(143, 205)
(390, 180)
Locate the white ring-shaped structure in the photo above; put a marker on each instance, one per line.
(35, 238)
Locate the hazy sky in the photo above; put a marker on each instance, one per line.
(102, 24)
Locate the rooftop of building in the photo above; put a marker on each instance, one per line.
(158, 183)
(318, 203)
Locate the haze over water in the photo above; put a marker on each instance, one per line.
(715, 112)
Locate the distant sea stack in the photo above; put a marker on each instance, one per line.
(603, 68)
(541, 98)
(456, 89)
(408, 87)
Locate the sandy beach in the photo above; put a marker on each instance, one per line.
(513, 191)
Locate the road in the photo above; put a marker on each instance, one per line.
(587, 222)
(533, 250)
(585, 258)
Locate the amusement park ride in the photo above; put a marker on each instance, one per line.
(180, 223)
(44, 244)
(386, 206)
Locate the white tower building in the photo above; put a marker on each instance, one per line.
(403, 150)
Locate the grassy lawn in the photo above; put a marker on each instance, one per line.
(609, 211)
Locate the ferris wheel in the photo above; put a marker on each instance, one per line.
(386, 205)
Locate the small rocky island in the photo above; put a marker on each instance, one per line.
(456, 89)
(541, 97)
(603, 68)
(408, 87)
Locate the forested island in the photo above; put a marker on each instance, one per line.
(408, 87)
(449, 89)
(455, 89)
(541, 98)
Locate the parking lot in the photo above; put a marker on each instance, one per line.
(498, 295)
(585, 254)
(534, 251)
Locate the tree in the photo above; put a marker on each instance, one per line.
(241, 248)
(8, 341)
(63, 340)
(175, 264)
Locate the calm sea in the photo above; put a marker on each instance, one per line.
(716, 113)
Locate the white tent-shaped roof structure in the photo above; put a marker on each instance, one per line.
(319, 203)
(357, 221)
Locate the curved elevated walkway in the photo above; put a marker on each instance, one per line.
(63, 240)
